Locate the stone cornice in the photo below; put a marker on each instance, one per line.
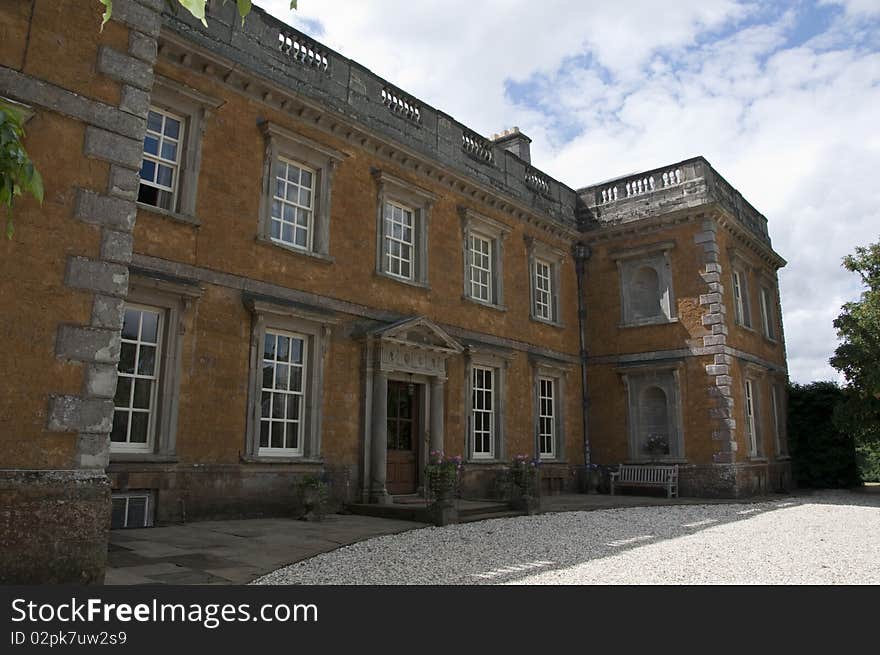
(178, 51)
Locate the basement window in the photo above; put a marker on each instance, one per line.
(132, 510)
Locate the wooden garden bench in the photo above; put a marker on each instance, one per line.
(647, 475)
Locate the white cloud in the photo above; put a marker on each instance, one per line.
(607, 88)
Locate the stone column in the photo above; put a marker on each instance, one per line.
(438, 409)
(379, 439)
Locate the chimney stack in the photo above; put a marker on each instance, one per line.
(516, 142)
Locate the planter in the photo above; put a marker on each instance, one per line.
(528, 504)
(443, 512)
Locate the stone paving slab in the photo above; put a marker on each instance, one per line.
(231, 552)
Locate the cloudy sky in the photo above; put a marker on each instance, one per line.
(782, 98)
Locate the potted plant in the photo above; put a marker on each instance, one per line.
(657, 445)
(442, 476)
(314, 493)
(525, 485)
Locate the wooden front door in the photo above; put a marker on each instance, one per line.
(403, 438)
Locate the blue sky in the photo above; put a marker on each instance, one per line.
(782, 98)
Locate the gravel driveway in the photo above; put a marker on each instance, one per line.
(824, 538)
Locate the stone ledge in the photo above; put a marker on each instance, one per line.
(88, 344)
(113, 212)
(142, 15)
(101, 380)
(142, 46)
(124, 68)
(54, 98)
(74, 414)
(108, 312)
(115, 148)
(95, 275)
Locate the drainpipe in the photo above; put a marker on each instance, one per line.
(581, 253)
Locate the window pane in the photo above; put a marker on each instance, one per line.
(147, 360)
(291, 193)
(172, 128)
(264, 434)
(279, 400)
(293, 174)
(301, 237)
(151, 145)
(137, 513)
(277, 435)
(296, 379)
(169, 150)
(266, 405)
(139, 422)
(120, 426)
(148, 170)
(281, 376)
(293, 435)
(296, 351)
(150, 327)
(142, 392)
(130, 324)
(126, 358)
(306, 180)
(276, 229)
(123, 392)
(287, 232)
(305, 197)
(283, 348)
(269, 346)
(154, 121)
(293, 403)
(165, 176)
(267, 376)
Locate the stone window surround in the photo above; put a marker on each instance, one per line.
(176, 299)
(554, 257)
(315, 326)
(746, 268)
(757, 375)
(558, 372)
(499, 362)
(635, 379)
(494, 231)
(630, 260)
(394, 189)
(767, 283)
(195, 108)
(281, 142)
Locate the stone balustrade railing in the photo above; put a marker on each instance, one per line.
(659, 191)
(270, 50)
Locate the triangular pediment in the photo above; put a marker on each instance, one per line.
(419, 332)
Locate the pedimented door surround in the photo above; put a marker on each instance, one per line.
(413, 350)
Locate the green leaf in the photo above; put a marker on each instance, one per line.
(108, 10)
(37, 186)
(196, 8)
(244, 8)
(293, 4)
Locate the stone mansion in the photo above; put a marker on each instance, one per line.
(257, 260)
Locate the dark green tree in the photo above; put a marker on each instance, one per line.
(858, 359)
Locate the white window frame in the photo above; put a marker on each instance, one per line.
(155, 380)
(488, 393)
(194, 109)
(284, 145)
(742, 310)
(479, 266)
(394, 191)
(768, 317)
(393, 261)
(545, 418)
(546, 310)
(313, 326)
(299, 395)
(497, 361)
(158, 159)
(751, 418)
(543, 290)
(309, 227)
(483, 228)
(148, 507)
(176, 300)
